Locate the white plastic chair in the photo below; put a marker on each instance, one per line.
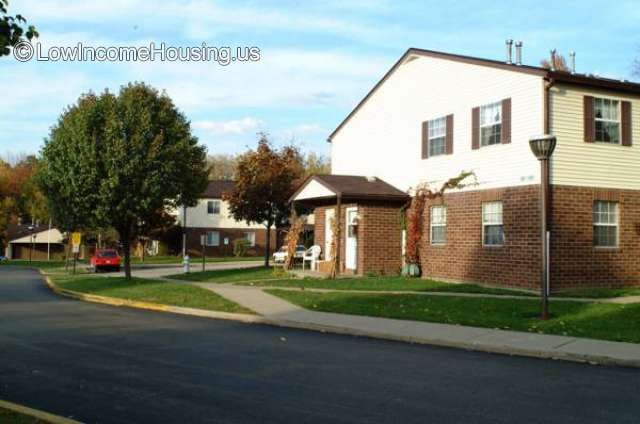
(311, 255)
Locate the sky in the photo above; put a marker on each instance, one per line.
(317, 59)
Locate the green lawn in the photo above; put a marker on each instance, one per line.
(147, 290)
(579, 319)
(386, 284)
(232, 275)
(10, 417)
(194, 260)
(599, 293)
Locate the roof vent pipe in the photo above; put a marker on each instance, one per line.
(509, 43)
(553, 60)
(573, 62)
(518, 53)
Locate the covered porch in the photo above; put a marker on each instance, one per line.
(368, 212)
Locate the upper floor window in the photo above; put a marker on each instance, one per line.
(213, 207)
(492, 225)
(437, 136)
(490, 124)
(438, 224)
(605, 224)
(607, 120)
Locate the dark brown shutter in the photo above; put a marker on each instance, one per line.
(425, 139)
(625, 122)
(449, 135)
(475, 128)
(505, 132)
(589, 120)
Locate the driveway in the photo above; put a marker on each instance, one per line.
(102, 364)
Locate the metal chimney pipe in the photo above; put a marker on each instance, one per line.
(518, 53)
(553, 60)
(509, 43)
(573, 62)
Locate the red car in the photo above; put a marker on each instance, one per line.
(105, 259)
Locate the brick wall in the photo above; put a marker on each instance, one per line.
(194, 248)
(378, 234)
(575, 262)
(380, 238)
(464, 258)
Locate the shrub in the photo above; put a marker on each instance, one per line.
(240, 247)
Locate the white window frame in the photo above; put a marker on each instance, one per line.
(608, 120)
(486, 223)
(250, 237)
(210, 242)
(214, 203)
(442, 127)
(439, 224)
(616, 224)
(483, 108)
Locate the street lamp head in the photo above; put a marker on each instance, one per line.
(542, 146)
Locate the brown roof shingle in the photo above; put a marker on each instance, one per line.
(216, 188)
(357, 187)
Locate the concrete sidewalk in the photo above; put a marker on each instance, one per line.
(280, 312)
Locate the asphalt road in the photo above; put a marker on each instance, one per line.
(102, 364)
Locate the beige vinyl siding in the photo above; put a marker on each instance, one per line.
(591, 164)
(384, 137)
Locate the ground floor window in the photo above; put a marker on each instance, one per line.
(438, 225)
(492, 225)
(213, 238)
(250, 237)
(605, 224)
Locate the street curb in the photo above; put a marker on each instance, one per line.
(157, 307)
(256, 319)
(41, 415)
(472, 347)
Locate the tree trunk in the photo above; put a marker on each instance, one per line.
(126, 250)
(267, 245)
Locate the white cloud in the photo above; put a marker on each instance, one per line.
(237, 127)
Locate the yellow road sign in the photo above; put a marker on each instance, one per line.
(76, 239)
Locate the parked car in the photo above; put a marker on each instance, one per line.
(105, 259)
(281, 254)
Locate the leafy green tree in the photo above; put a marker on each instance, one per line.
(264, 182)
(222, 166)
(316, 164)
(117, 161)
(12, 29)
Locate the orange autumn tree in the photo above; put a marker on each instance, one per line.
(415, 214)
(264, 183)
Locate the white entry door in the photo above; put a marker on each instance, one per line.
(328, 234)
(351, 245)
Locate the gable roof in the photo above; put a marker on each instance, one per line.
(215, 189)
(559, 76)
(356, 187)
(16, 231)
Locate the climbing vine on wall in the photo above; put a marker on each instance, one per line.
(414, 211)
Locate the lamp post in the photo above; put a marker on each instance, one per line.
(543, 147)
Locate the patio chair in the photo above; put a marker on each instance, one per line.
(311, 255)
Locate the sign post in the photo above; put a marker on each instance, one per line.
(203, 241)
(76, 239)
